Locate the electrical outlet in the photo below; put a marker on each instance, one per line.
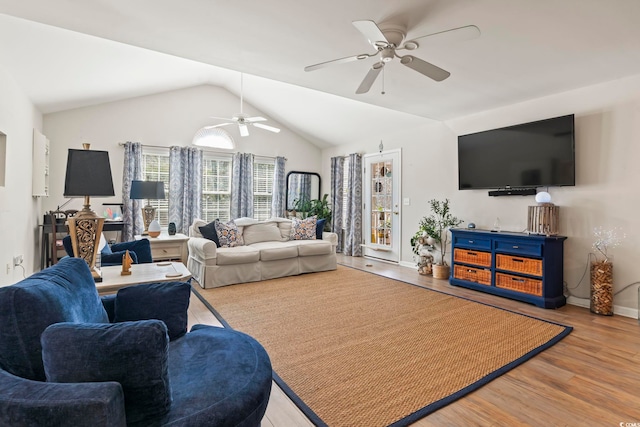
(17, 260)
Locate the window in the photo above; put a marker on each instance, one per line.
(216, 185)
(216, 188)
(155, 167)
(263, 170)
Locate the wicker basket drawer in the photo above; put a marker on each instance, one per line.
(472, 257)
(471, 274)
(519, 264)
(520, 284)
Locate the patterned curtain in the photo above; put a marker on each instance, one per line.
(242, 186)
(337, 172)
(185, 186)
(354, 216)
(279, 189)
(132, 170)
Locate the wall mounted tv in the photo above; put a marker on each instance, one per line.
(528, 155)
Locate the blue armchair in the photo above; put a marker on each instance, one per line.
(71, 358)
(140, 251)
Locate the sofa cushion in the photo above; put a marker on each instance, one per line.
(166, 301)
(271, 251)
(228, 234)
(65, 292)
(237, 255)
(209, 232)
(263, 232)
(314, 247)
(303, 229)
(135, 354)
(285, 229)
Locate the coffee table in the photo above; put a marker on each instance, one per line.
(112, 280)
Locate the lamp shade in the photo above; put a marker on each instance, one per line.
(88, 174)
(147, 190)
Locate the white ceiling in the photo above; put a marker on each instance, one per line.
(527, 49)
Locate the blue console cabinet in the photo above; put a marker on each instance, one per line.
(524, 267)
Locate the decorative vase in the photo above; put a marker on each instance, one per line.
(172, 229)
(602, 288)
(441, 271)
(154, 229)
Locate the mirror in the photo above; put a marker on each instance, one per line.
(302, 186)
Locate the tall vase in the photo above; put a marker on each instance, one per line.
(602, 288)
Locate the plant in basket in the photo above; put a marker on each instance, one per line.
(602, 270)
(437, 226)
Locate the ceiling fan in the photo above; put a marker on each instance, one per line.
(389, 40)
(242, 120)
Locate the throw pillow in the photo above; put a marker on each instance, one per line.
(320, 227)
(228, 234)
(264, 232)
(303, 229)
(167, 301)
(134, 354)
(209, 232)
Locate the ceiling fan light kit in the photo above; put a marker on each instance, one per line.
(241, 119)
(389, 39)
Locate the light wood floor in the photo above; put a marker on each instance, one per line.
(590, 378)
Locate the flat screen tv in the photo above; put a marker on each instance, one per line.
(528, 155)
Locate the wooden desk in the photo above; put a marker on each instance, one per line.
(47, 231)
(112, 280)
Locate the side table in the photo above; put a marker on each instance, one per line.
(168, 248)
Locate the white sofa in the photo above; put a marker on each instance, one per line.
(267, 253)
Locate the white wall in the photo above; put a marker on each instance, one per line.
(19, 212)
(607, 177)
(164, 119)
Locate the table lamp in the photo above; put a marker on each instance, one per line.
(88, 175)
(150, 190)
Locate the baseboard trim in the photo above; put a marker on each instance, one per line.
(579, 302)
(621, 311)
(408, 264)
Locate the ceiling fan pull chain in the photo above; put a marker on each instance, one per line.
(241, 92)
(383, 92)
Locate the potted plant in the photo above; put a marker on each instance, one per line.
(318, 207)
(437, 226)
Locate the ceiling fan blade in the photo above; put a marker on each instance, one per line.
(423, 67)
(338, 61)
(265, 127)
(244, 130)
(371, 31)
(220, 118)
(453, 35)
(217, 126)
(370, 78)
(255, 119)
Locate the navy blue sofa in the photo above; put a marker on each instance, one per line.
(71, 358)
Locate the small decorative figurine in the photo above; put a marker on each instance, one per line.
(172, 229)
(126, 264)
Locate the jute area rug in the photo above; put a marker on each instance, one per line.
(353, 348)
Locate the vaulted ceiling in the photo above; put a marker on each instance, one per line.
(104, 50)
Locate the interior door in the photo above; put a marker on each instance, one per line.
(382, 205)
